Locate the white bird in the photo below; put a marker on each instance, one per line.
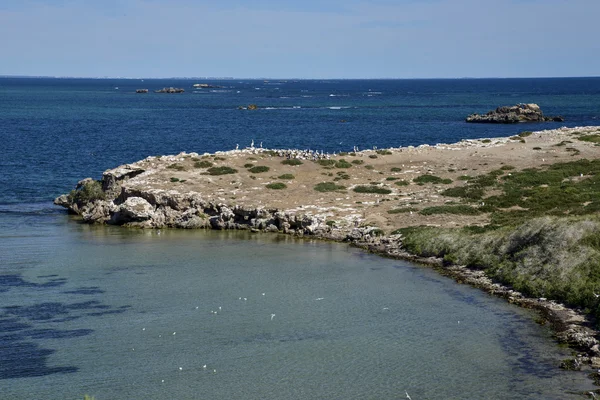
(143, 329)
(319, 298)
(174, 333)
(272, 316)
(204, 366)
(181, 368)
(596, 295)
(263, 294)
(407, 396)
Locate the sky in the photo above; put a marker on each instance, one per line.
(310, 39)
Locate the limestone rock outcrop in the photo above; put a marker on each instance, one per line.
(513, 114)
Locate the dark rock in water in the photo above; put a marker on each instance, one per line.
(170, 90)
(513, 115)
(141, 90)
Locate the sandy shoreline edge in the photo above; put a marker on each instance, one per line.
(261, 191)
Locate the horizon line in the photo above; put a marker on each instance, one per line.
(226, 78)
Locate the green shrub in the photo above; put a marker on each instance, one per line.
(176, 167)
(330, 223)
(427, 178)
(276, 186)
(258, 169)
(594, 138)
(221, 170)
(384, 152)
(89, 192)
(217, 158)
(326, 163)
(292, 161)
(371, 189)
(402, 210)
(173, 179)
(373, 156)
(203, 164)
(248, 165)
(458, 209)
(486, 141)
(286, 176)
(402, 183)
(369, 167)
(525, 134)
(537, 148)
(343, 164)
(328, 187)
(357, 162)
(396, 169)
(391, 178)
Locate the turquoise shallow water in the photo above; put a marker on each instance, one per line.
(120, 313)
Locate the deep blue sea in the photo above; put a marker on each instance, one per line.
(118, 313)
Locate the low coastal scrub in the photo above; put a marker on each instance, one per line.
(457, 209)
(276, 186)
(259, 169)
(371, 189)
(552, 257)
(203, 164)
(402, 183)
(402, 210)
(427, 178)
(87, 193)
(384, 152)
(221, 170)
(286, 176)
(176, 167)
(594, 138)
(343, 164)
(357, 162)
(328, 187)
(292, 161)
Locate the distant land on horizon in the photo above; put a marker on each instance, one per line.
(226, 78)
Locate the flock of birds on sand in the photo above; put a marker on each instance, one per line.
(307, 154)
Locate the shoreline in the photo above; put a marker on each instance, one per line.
(181, 191)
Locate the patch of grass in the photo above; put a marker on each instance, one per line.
(458, 209)
(328, 187)
(259, 169)
(468, 192)
(286, 176)
(224, 170)
(391, 178)
(371, 189)
(369, 167)
(251, 158)
(427, 178)
(402, 183)
(563, 143)
(383, 152)
(203, 164)
(248, 165)
(395, 169)
(486, 141)
(217, 158)
(176, 167)
(276, 186)
(372, 155)
(173, 179)
(292, 161)
(594, 138)
(507, 168)
(357, 162)
(402, 210)
(525, 134)
(343, 164)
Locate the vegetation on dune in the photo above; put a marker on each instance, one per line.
(342, 164)
(543, 238)
(428, 178)
(276, 186)
(357, 162)
(328, 187)
(552, 257)
(384, 152)
(176, 167)
(372, 189)
(286, 176)
(401, 183)
(203, 164)
(292, 161)
(259, 169)
(221, 170)
(402, 210)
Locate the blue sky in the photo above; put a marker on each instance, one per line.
(300, 39)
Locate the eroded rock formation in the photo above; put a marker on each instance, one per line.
(513, 114)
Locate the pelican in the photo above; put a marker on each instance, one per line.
(272, 316)
(407, 396)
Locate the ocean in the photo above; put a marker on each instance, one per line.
(119, 313)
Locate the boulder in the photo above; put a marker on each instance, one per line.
(134, 209)
(513, 114)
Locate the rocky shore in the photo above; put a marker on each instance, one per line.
(361, 197)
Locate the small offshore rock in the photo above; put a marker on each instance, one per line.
(513, 114)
